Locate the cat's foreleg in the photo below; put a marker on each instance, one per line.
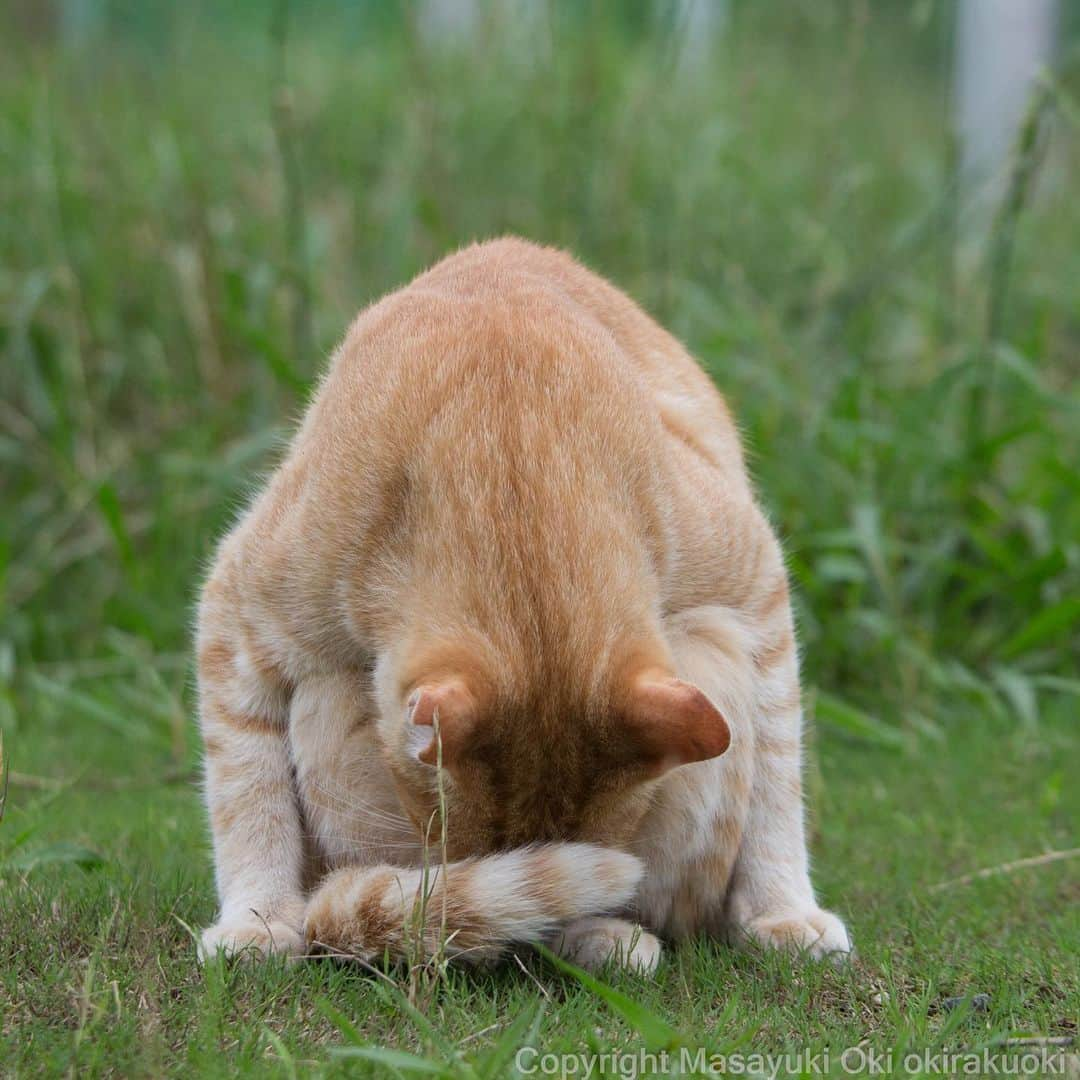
(771, 900)
(254, 818)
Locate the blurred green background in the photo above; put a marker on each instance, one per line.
(197, 198)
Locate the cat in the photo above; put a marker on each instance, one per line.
(504, 651)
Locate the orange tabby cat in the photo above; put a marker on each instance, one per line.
(516, 510)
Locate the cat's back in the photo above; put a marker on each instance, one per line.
(510, 314)
(506, 392)
(682, 397)
(486, 397)
(503, 347)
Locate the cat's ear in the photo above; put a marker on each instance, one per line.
(673, 723)
(449, 703)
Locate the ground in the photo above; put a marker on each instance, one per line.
(99, 968)
(189, 224)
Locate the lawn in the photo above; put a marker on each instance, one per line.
(194, 204)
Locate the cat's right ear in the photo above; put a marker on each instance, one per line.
(673, 723)
(441, 716)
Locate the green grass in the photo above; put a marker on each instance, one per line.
(186, 229)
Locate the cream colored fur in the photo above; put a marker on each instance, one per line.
(518, 510)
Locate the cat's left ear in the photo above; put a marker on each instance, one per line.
(672, 723)
(449, 703)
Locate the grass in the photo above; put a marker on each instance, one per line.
(196, 203)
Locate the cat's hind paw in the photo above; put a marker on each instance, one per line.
(592, 943)
(817, 934)
(250, 938)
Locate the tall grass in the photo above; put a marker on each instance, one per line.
(197, 205)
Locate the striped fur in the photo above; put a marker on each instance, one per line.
(512, 574)
(471, 909)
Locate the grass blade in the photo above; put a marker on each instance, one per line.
(62, 852)
(846, 718)
(1048, 624)
(3, 778)
(657, 1033)
(500, 1055)
(399, 1060)
(84, 704)
(340, 1021)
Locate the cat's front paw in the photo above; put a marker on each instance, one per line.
(342, 918)
(250, 938)
(593, 943)
(814, 933)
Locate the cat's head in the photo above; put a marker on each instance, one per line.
(549, 761)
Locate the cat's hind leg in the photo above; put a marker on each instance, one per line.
(351, 811)
(596, 941)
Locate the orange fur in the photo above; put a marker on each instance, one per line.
(515, 534)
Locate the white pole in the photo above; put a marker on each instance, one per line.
(700, 23)
(1001, 46)
(80, 20)
(449, 20)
